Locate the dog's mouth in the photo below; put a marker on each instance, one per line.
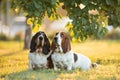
(57, 48)
(57, 45)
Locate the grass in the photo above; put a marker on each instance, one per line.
(14, 62)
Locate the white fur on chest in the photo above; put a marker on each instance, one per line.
(62, 60)
(37, 59)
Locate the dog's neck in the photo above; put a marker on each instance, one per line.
(38, 49)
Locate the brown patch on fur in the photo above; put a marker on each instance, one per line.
(65, 42)
(49, 63)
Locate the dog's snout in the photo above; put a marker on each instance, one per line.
(55, 38)
(41, 38)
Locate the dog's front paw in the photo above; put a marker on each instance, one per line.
(69, 68)
(55, 68)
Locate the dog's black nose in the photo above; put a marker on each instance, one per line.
(41, 38)
(55, 39)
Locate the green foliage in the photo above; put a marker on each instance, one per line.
(84, 23)
(35, 8)
(113, 11)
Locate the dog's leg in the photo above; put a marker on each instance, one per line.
(55, 67)
(69, 67)
(30, 65)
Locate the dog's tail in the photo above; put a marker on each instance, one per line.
(94, 65)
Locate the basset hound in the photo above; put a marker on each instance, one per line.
(64, 58)
(39, 51)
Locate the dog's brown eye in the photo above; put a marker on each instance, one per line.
(61, 35)
(56, 33)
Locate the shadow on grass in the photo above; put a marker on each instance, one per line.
(44, 74)
(33, 75)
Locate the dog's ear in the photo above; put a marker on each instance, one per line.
(46, 47)
(33, 43)
(66, 43)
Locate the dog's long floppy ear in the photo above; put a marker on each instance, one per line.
(66, 43)
(33, 43)
(46, 47)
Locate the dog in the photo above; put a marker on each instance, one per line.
(39, 51)
(64, 58)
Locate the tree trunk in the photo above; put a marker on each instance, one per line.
(3, 12)
(28, 33)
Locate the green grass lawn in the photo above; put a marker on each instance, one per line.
(14, 62)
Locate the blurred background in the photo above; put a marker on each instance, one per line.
(16, 31)
(14, 26)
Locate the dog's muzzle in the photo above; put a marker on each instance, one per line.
(40, 38)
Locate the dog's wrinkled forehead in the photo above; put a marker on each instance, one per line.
(40, 33)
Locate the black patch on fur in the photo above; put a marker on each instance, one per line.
(33, 45)
(75, 57)
(33, 42)
(46, 47)
(93, 65)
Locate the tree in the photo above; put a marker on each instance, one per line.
(36, 10)
(3, 10)
(28, 33)
(88, 24)
(84, 23)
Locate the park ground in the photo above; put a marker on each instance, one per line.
(14, 62)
